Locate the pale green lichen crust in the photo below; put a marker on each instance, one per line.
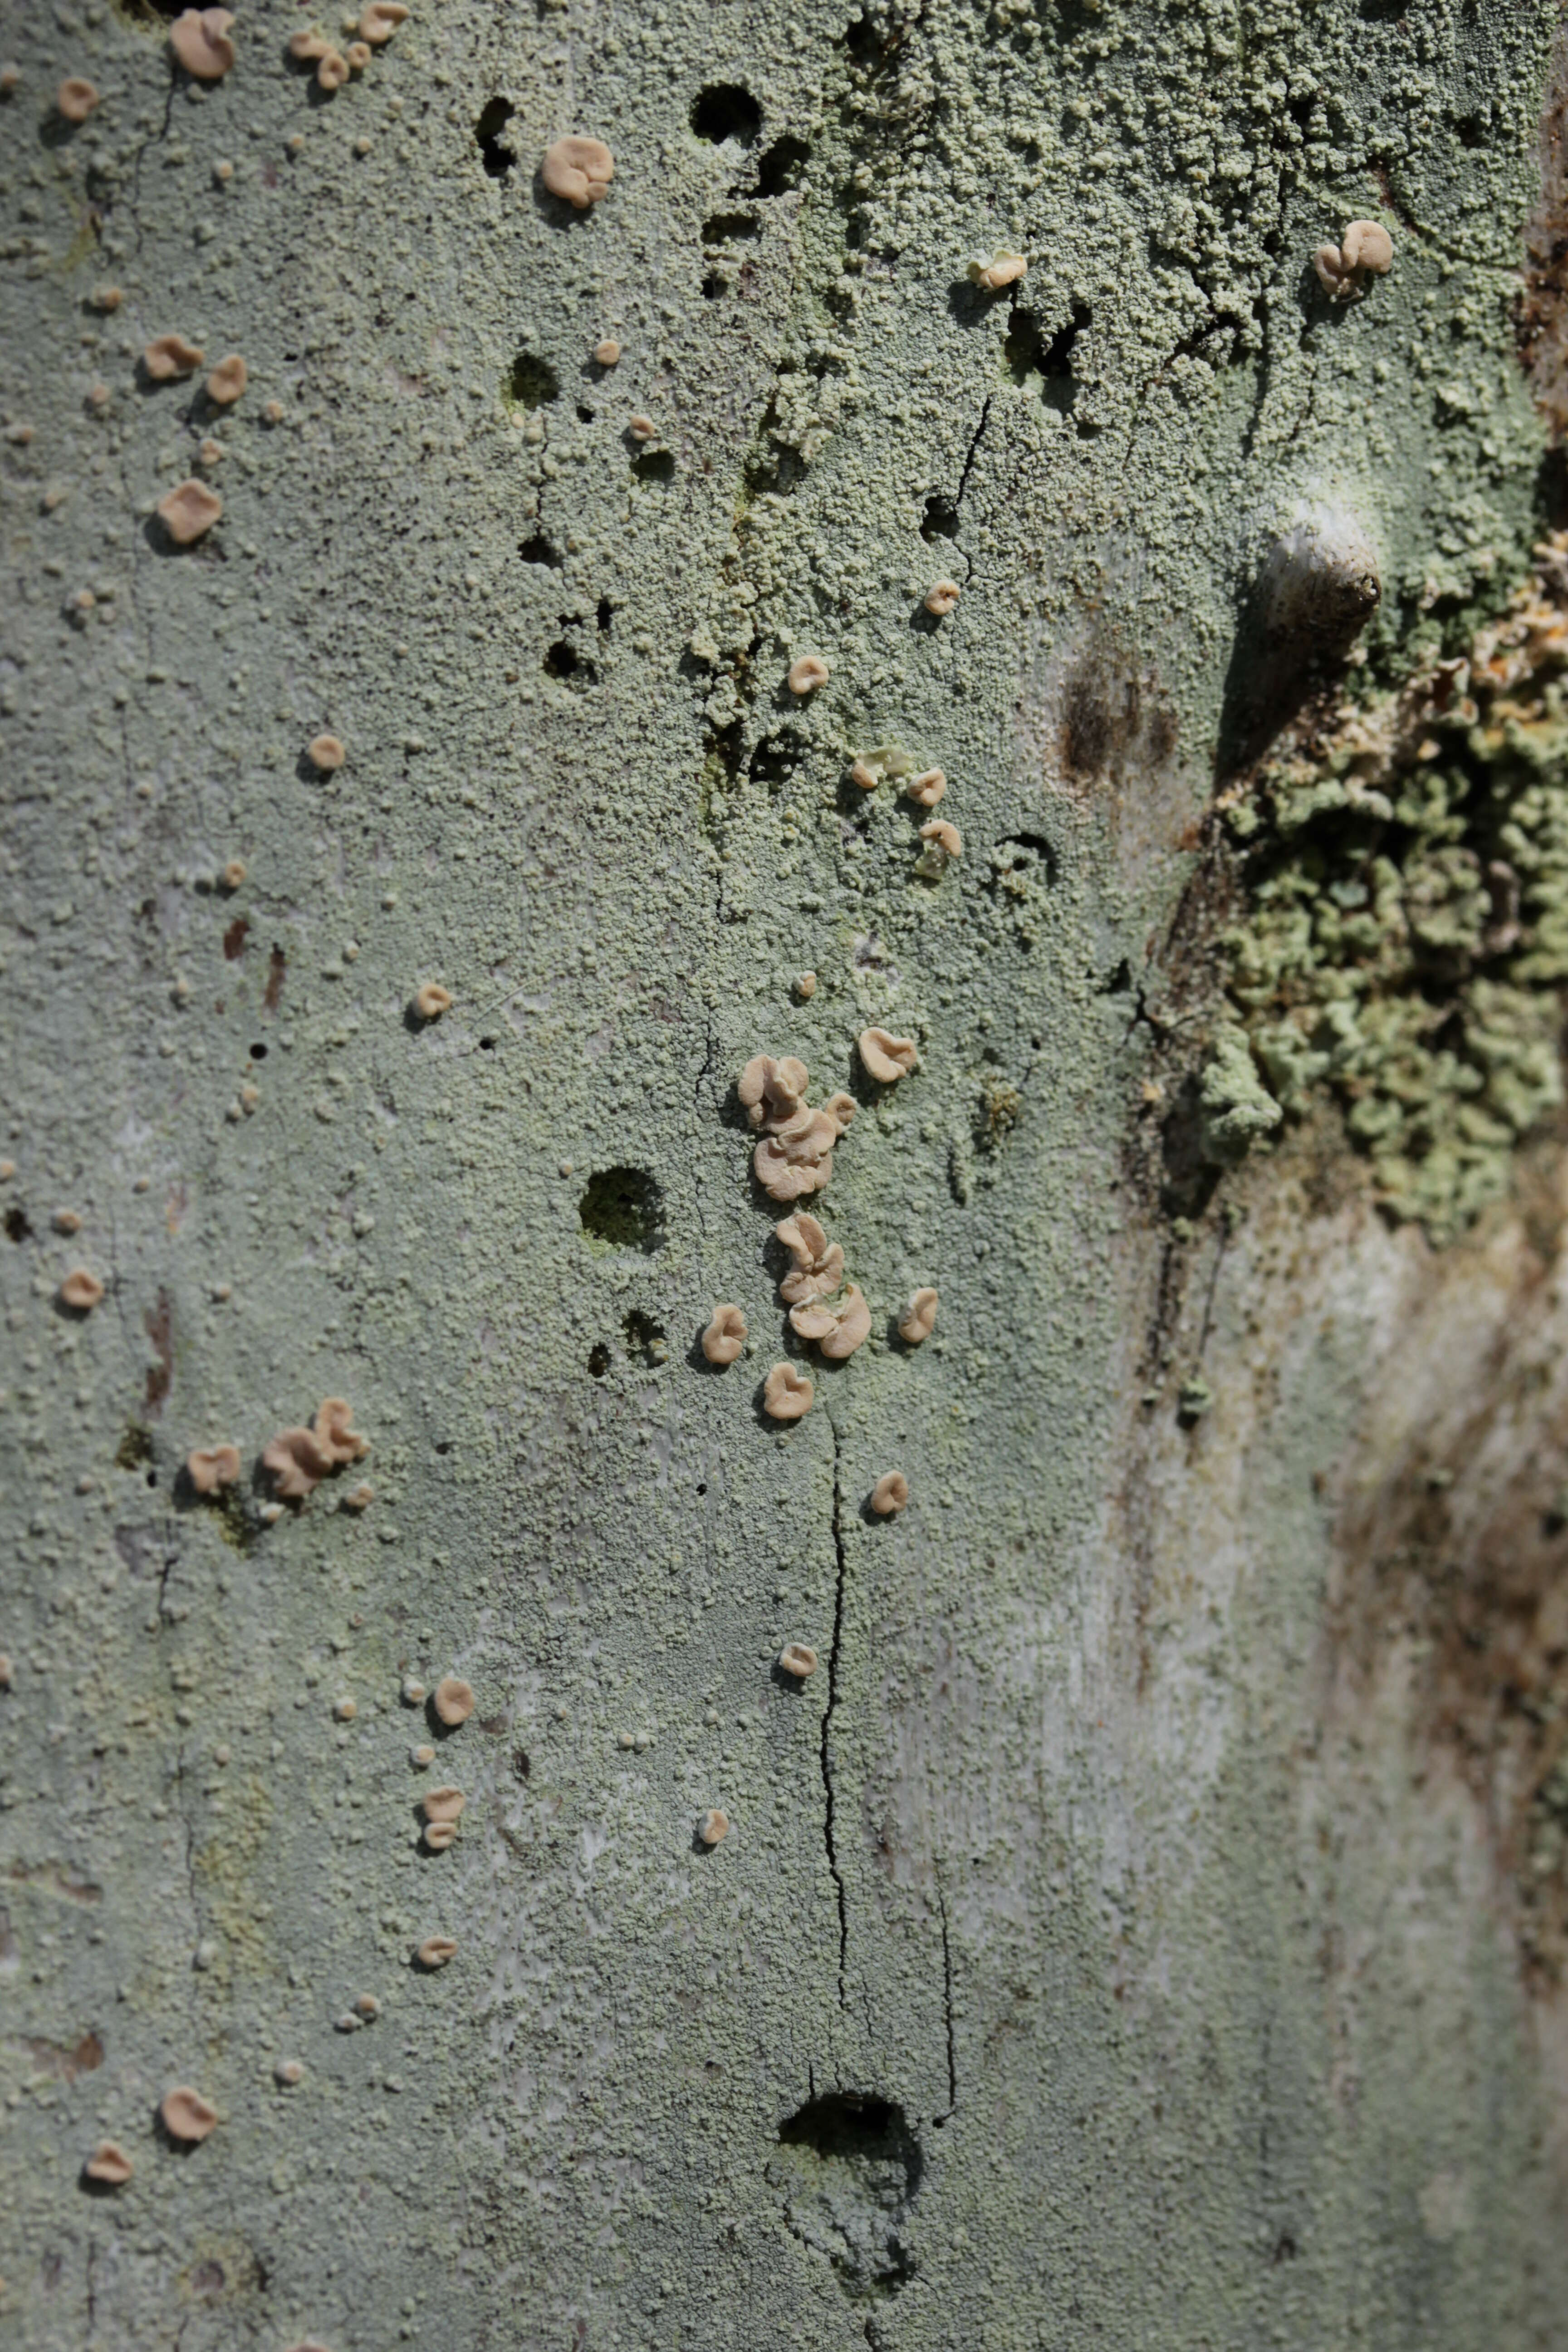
(1406, 942)
(1038, 1996)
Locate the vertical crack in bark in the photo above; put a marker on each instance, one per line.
(828, 1816)
(947, 2006)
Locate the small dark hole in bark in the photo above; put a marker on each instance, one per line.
(496, 152)
(723, 111)
(532, 382)
(538, 550)
(599, 1360)
(16, 1225)
(782, 166)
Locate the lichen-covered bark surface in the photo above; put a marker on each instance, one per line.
(1140, 1928)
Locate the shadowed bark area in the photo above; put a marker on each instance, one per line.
(1143, 1923)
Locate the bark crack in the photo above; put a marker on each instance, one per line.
(829, 1838)
(947, 2006)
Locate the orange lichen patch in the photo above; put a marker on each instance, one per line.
(228, 380)
(786, 1394)
(807, 674)
(232, 873)
(927, 788)
(168, 356)
(818, 1267)
(326, 752)
(75, 98)
(919, 1317)
(360, 1498)
(109, 2164)
(306, 47)
(641, 428)
(212, 1467)
(725, 1336)
(358, 55)
(295, 1463)
(66, 1221)
(429, 1001)
(946, 838)
(186, 2115)
(840, 1107)
(890, 1494)
(438, 1835)
(453, 1700)
(189, 510)
(580, 170)
(941, 598)
(713, 1825)
(332, 71)
(332, 1433)
(81, 1291)
(199, 39)
(886, 1059)
(837, 1330)
(443, 1804)
(799, 1659)
(607, 352)
(381, 20)
(806, 986)
(436, 1951)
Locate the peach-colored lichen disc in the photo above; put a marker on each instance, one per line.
(199, 39)
(453, 1700)
(807, 674)
(168, 356)
(189, 511)
(228, 380)
(786, 1394)
(579, 169)
(75, 98)
(890, 1494)
(326, 752)
(81, 1291)
(212, 1467)
(886, 1057)
(713, 1825)
(799, 1659)
(108, 2164)
(186, 2115)
(436, 1951)
(381, 20)
(725, 1336)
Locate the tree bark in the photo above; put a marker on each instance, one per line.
(1143, 1926)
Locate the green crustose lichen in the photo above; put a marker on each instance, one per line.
(1407, 936)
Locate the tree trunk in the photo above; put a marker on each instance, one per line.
(1143, 1925)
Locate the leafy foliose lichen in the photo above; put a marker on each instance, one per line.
(1406, 940)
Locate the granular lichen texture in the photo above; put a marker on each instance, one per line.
(1037, 1823)
(1406, 943)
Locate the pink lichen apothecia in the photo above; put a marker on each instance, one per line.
(199, 39)
(578, 169)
